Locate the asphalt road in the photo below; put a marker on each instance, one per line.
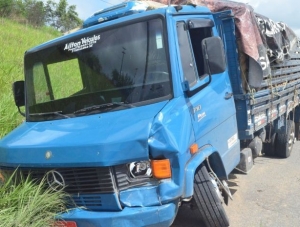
(268, 196)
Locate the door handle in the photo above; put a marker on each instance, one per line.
(228, 95)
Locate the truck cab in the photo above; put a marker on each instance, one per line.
(132, 115)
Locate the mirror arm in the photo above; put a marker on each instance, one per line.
(23, 114)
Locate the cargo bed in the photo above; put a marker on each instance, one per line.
(278, 94)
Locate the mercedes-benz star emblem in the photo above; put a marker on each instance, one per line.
(55, 180)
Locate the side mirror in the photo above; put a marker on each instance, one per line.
(19, 94)
(214, 55)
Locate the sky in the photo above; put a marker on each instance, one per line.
(286, 11)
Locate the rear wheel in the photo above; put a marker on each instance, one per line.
(207, 197)
(285, 140)
(269, 145)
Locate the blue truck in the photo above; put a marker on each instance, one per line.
(141, 111)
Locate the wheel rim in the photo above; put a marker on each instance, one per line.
(216, 188)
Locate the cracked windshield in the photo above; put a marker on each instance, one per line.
(99, 72)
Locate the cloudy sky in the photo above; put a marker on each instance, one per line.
(286, 11)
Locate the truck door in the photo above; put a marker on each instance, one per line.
(212, 108)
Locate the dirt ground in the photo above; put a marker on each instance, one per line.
(268, 196)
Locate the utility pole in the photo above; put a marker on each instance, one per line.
(123, 52)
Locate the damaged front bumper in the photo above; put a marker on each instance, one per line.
(162, 215)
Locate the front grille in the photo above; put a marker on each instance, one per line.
(79, 180)
(92, 188)
(122, 177)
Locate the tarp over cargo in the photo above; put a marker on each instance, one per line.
(261, 41)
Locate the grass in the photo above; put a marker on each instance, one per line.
(26, 204)
(29, 204)
(15, 39)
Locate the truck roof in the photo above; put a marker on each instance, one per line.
(117, 11)
(120, 13)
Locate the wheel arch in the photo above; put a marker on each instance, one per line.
(205, 153)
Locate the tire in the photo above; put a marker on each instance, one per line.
(297, 131)
(285, 140)
(269, 148)
(207, 200)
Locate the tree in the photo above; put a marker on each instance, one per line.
(61, 16)
(35, 12)
(72, 20)
(50, 10)
(120, 80)
(61, 13)
(6, 7)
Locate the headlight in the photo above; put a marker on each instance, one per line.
(141, 173)
(141, 169)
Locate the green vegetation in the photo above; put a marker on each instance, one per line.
(15, 40)
(23, 203)
(28, 204)
(57, 14)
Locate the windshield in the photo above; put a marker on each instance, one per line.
(97, 72)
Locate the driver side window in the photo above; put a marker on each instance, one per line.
(190, 46)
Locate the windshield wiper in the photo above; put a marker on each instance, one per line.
(123, 104)
(103, 106)
(56, 113)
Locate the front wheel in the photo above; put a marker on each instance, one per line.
(207, 197)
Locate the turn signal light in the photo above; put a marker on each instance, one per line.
(161, 169)
(194, 148)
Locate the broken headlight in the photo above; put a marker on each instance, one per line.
(140, 169)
